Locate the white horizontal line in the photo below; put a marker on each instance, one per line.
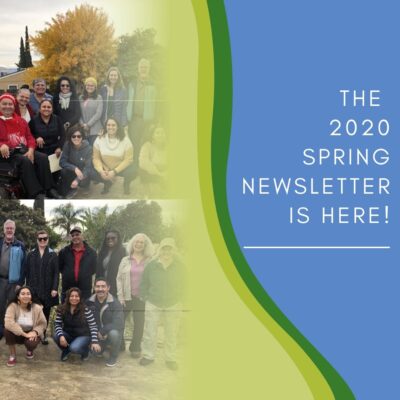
(317, 247)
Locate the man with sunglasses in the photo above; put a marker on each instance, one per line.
(12, 258)
(77, 264)
(41, 270)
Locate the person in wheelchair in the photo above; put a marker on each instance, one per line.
(17, 148)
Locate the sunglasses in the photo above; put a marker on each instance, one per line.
(42, 239)
(64, 85)
(76, 136)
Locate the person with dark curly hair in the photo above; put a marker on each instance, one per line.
(24, 324)
(110, 255)
(66, 102)
(75, 327)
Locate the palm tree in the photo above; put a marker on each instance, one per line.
(65, 217)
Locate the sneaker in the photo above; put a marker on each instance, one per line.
(12, 360)
(85, 357)
(29, 355)
(44, 341)
(65, 355)
(172, 365)
(111, 362)
(136, 354)
(71, 194)
(145, 361)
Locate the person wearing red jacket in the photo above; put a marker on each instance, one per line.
(17, 147)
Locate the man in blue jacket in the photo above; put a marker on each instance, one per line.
(12, 258)
(109, 317)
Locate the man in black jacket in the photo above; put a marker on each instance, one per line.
(77, 264)
(109, 317)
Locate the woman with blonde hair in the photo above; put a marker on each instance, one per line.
(140, 251)
(91, 110)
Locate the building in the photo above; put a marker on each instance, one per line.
(12, 82)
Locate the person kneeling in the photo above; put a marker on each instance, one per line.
(24, 324)
(109, 318)
(75, 327)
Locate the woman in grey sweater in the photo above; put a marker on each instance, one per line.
(91, 110)
(76, 163)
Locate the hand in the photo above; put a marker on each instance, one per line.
(86, 127)
(57, 152)
(63, 342)
(31, 155)
(111, 174)
(122, 303)
(78, 173)
(104, 175)
(95, 347)
(54, 293)
(32, 335)
(74, 184)
(40, 142)
(5, 151)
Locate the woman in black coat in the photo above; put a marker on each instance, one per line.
(41, 269)
(109, 258)
(66, 102)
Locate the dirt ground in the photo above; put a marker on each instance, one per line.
(46, 377)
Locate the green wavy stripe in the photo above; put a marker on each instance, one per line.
(221, 125)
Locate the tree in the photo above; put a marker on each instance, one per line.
(28, 222)
(22, 55)
(141, 44)
(79, 43)
(28, 56)
(94, 222)
(65, 217)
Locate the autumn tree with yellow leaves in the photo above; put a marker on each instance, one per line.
(79, 43)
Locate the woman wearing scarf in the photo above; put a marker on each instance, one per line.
(66, 102)
(17, 147)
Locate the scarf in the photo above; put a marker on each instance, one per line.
(64, 100)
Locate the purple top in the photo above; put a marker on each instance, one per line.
(137, 269)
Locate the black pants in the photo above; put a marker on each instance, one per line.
(35, 177)
(67, 177)
(137, 307)
(7, 293)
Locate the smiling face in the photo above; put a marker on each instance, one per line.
(65, 86)
(46, 108)
(25, 296)
(7, 107)
(76, 238)
(159, 136)
(42, 240)
(9, 231)
(111, 239)
(23, 97)
(139, 245)
(74, 298)
(90, 87)
(166, 254)
(113, 77)
(112, 127)
(101, 289)
(76, 139)
(39, 88)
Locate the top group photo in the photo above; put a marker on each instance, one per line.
(84, 118)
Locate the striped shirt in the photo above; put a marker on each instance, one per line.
(74, 326)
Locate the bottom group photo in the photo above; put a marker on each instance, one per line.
(93, 298)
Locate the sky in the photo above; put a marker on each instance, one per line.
(126, 16)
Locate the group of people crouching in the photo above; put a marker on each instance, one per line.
(140, 281)
(95, 136)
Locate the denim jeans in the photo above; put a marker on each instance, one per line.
(113, 341)
(77, 345)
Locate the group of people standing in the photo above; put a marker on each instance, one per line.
(140, 281)
(96, 136)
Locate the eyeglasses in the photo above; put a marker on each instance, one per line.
(42, 239)
(64, 85)
(76, 136)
